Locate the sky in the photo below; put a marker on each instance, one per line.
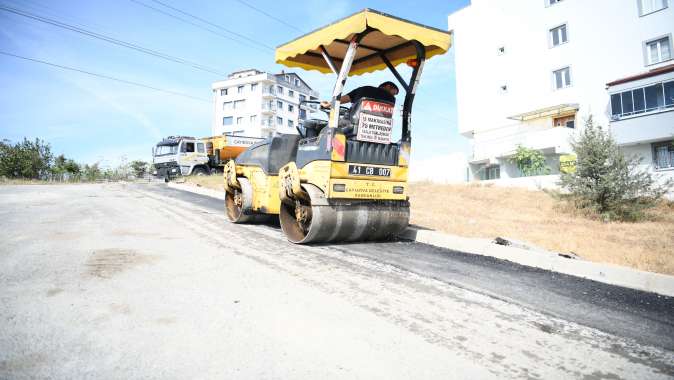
(93, 119)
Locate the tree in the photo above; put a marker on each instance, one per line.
(72, 168)
(606, 181)
(25, 159)
(530, 161)
(139, 168)
(91, 172)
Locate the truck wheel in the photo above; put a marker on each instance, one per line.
(199, 171)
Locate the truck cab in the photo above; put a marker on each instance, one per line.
(180, 155)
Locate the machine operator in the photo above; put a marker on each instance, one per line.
(385, 92)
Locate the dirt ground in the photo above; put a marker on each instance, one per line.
(537, 218)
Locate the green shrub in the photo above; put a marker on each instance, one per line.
(530, 161)
(607, 182)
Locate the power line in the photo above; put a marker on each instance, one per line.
(269, 15)
(111, 40)
(214, 25)
(196, 25)
(105, 77)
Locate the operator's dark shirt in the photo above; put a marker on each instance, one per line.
(372, 93)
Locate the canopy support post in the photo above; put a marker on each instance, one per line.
(341, 80)
(328, 60)
(395, 72)
(409, 96)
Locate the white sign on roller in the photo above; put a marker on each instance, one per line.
(374, 129)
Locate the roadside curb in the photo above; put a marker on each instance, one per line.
(198, 190)
(606, 273)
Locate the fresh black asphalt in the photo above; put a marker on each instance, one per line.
(647, 318)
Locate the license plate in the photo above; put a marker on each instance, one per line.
(369, 171)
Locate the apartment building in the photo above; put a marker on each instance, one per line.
(528, 72)
(258, 104)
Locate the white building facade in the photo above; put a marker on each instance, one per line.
(257, 104)
(528, 72)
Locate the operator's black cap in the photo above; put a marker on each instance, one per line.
(389, 83)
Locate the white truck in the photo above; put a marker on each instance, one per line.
(184, 155)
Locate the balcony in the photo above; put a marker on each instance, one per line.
(268, 92)
(503, 142)
(643, 128)
(268, 108)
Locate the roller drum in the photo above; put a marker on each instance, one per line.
(239, 205)
(338, 220)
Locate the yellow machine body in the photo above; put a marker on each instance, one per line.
(328, 175)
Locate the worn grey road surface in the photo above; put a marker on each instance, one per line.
(113, 281)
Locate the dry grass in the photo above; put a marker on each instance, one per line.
(537, 218)
(209, 181)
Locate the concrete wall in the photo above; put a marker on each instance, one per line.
(645, 152)
(531, 183)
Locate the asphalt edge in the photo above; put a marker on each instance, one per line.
(610, 274)
(198, 190)
(606, 273)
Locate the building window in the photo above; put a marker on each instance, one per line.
(291, 108)
(279, 105)
(239, 90)
(669, 94)
(302, 98)
(253, 87)
(650, 6)
(200, 148)
(279, 90)
(562, 78)
(223, 91)
(558, 36)
(490, 172)
(239, 120)
(655, 97)
(238, 104)
(658, 50)
(227, 120)
(663, 155)
(566, 121)
(226, 106)
(253, 119)
(291, 93)
(287, 78)
(291, 124)
(297, 82)
(279, 120)
(303, 114)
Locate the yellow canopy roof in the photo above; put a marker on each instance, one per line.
(389, 34)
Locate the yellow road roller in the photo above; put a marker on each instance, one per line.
(345, 178)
